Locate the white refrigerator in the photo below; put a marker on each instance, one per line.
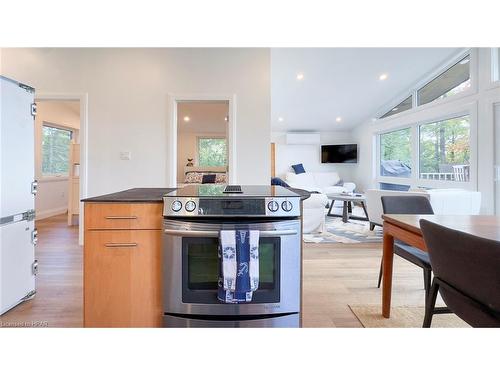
(18, 235)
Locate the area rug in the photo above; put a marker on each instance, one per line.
(403, 317)
(354, 231)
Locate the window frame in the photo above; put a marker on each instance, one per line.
(415, 181)
(413, 91)
(198, 150)
(54, 177)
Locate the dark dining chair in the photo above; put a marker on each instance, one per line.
(466, 273)
(411, 205)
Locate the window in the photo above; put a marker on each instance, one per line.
(453, 81)
(445, 150)
(55, 151)
(212, 152)
(495, 61)
(401, 107)
(395, 153)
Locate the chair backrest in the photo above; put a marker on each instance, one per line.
(468, 263)
(411, 205)
(374, 203)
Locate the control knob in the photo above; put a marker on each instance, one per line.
(273, 206)
(190, 206)
(176, 206)
(287, 206)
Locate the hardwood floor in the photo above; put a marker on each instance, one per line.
(335, 276)
(339, 275)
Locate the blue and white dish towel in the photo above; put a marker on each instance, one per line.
(238, 265)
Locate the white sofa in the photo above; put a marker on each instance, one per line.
(443, 202)
(314, 213)
(325, 184)
(322, 182)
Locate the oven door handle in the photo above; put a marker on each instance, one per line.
(214, 233)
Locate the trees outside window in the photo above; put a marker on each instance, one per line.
(395, 153)
(55, 151)
(445, 149)
(212, 152)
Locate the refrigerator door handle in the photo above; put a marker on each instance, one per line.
(34, 236)
(34, 267)
(34, 187)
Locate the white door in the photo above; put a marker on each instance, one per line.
(17, 279)
(17, 149)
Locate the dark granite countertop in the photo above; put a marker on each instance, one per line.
(137, 195)
(152, 195)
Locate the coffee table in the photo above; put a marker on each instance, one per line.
(347, 207)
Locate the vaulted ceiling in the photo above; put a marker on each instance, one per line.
(340, 88)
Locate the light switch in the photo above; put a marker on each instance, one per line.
(125, 155)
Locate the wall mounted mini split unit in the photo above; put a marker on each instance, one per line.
(303, 139)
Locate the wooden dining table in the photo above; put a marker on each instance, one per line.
(406, 228)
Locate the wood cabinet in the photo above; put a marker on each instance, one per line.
(122, 265)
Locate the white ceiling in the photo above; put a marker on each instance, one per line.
(343, 82)
(204, 117)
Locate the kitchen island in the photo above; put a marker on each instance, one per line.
(123, 258)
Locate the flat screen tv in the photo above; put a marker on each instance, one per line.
(339, 153)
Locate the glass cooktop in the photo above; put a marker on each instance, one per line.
(217, 191)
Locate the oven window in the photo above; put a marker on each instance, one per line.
(201, 270)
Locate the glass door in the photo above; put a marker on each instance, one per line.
(200, 270)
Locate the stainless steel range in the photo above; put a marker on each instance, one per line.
(193, 219)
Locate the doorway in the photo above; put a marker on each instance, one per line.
(57, 159)
(202, 135)
(79, 100)
(202, 140)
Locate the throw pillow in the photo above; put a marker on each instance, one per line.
(298, 168)
(278, 181)
(220, 178)
(208, 179)
(193, 178)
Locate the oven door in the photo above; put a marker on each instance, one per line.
(191, 267)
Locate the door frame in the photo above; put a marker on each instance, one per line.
(83, 99)
(173, 100)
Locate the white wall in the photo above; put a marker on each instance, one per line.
(478, 101)
(127, 103)
(52, 195)
(309, 155)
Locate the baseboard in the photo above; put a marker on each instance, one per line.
(52, 212)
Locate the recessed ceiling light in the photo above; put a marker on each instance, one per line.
(300, 76)
(395, 109)
(383, 77)
(338, 119)
(281, 119)
(226, 118)
(186, 119)
(464, 61)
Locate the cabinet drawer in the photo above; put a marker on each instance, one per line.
(122, 278)
(99, 216)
